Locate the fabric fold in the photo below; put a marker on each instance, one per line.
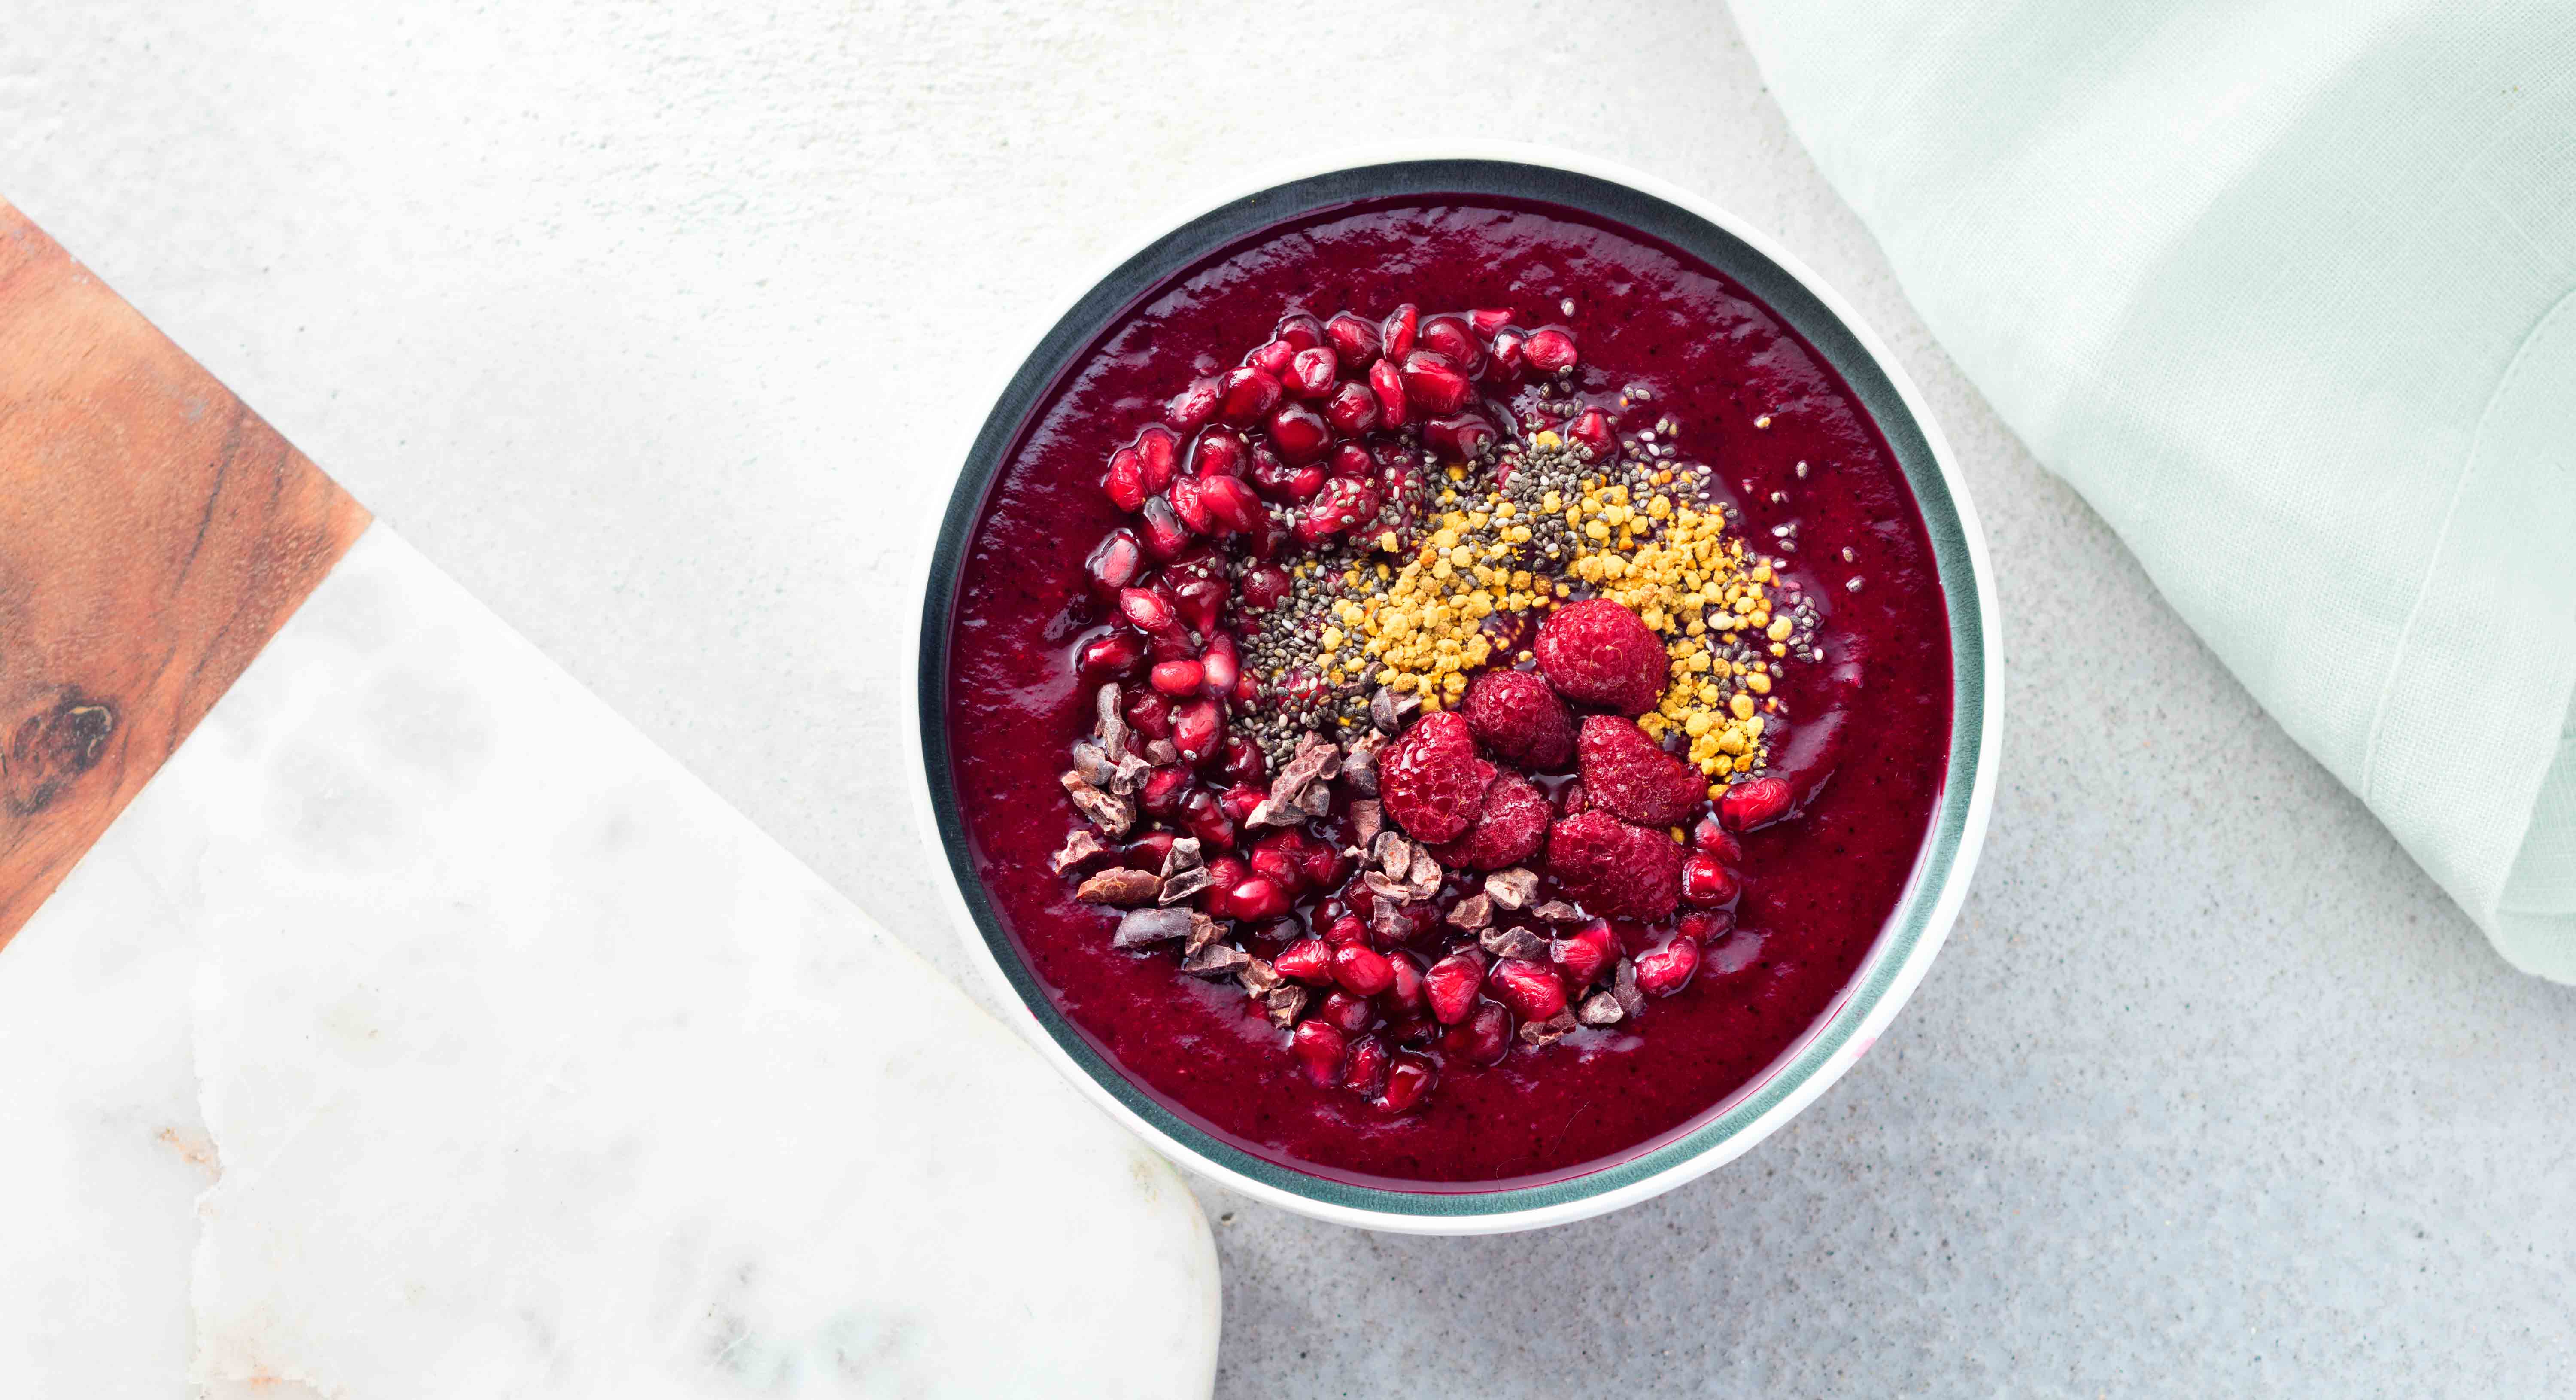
(2282, 291)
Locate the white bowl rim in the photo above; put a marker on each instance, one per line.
(1852, 1039)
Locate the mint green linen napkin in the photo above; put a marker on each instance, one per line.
(2288, 292)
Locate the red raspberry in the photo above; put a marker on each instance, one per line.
(1431, 781)
(1631, 775)
(1511, 829)
(1520, 718)
(1597, 653)
(1615, 869)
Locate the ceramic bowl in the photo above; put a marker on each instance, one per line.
(1904, 949)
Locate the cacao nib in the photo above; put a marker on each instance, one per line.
(1513, 888)
(1080, 846)
(1112, 814)
(1145, 927)
(1122, 887)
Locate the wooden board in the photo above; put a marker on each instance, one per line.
(154, 533)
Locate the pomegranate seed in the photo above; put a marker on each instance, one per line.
(1164, 790)
(1406, 1083)
(1167, 646)
(1172, 645)
(1308, 960)
(1346, 930)
(1203, 816)
(1433, 384)
(1506, 364)
(1318, 1047)
(1229, 502)
(1705, 882)
(1352, 460)
(1387, 382)
(1591, 428)
(1250, 394)
(1238, 801)
(1352, 410)
(1395, 337)
(1247, 690)
(1272, 358)
(1531, 991)
(1273, 856)
(1126, 481)
(1257, 897)
(1189, 504)
(1199, 599)
(1489, 323)
(1191, 408)
(1482, 1038)
(1227, 871)
(1146, 609)
(1220, 666)
(1265, 587)
(1244, 761)
(1364, 1067)
(1177, 677)
(1114, 657)
(1704, 926)
(1404, 993)
(1301, 433)
(1587, 954)
(1752, 804)
(1116, 561)
(1265, 537)
(1165, 536)
(1158, 450)
(1448, 335)
(1310, 375)
(1549, 350)
(1325, 867)
(1216, 453)
(1302, 331)
(1711, 836)
(1342, 504)
(1362, 970)
(1346, 1013)
(1666, 970)
(1198, 726)
(1147, 852)
(1411, 1029)
(1451, 985)
(1354, 341)
(1462, 438)
(1149, 714)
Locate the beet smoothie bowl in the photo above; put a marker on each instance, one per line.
(1457, 694)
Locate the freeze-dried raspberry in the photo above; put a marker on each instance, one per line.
(1431, 781)
(1596, 652)
(1513, 826)
(1519, 718)
(1617, 870)
(1631, 775)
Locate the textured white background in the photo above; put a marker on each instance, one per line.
(662, 328)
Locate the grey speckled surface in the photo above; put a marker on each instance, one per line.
(645, 325)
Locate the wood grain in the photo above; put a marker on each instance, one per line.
(154, 534)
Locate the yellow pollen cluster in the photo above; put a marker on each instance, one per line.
(1422, 629)
(1419, 627)
(1690, 581)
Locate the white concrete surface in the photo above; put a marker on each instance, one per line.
(645, 324)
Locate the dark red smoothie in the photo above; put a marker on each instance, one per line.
(1859, 704)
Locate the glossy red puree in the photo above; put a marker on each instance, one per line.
(1868, 741)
